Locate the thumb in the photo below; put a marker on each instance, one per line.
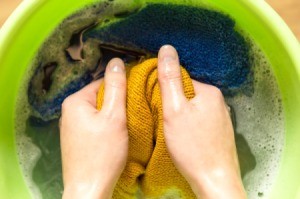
(115, 88)
(170, 79)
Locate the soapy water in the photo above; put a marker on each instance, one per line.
(73, 48)
(202, 38)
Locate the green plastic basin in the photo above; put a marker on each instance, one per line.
(33, 21)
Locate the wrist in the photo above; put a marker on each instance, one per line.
(219, 184)
(87, 191)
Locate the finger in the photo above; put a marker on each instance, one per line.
(115, 87)
(208, 92)
(170, 79)
(89, 92)
(199, 87)
(84, 99)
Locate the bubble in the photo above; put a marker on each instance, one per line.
(260, 194)
(263, 127)
(254, 113)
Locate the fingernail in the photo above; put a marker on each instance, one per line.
(116, 67)
(168, 54)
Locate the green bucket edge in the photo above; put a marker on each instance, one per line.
(268, 30)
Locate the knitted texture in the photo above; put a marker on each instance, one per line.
(149, 165)
(210, 47)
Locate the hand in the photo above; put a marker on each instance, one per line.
(94, 143)
(199, 133)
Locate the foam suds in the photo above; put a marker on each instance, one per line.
(261, 121)
(259, 116)
(28, 152)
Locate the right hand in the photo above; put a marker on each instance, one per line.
(199, 133)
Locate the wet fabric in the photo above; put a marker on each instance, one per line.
(210, 47)
(149, 166)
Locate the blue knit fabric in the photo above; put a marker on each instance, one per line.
(50, 107)
(209, 47)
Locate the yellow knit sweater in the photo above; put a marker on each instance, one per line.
(149, 171)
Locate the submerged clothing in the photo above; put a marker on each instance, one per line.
(149, 170)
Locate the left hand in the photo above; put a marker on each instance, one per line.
(94, 143)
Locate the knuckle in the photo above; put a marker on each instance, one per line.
(116, 84)
(167, 117)
(216, 93)
(172, 113)
(171, 75)
(68, 102)
(115, 117)
(216, 96)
